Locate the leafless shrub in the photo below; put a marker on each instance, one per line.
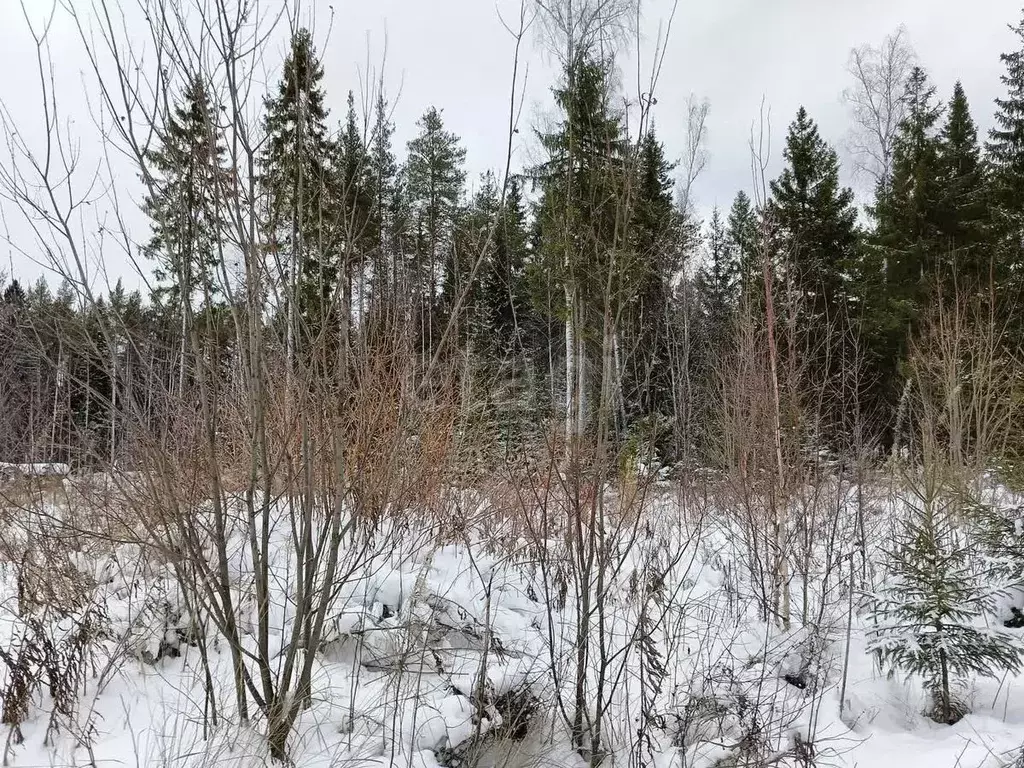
(53, 654)
(964, 383)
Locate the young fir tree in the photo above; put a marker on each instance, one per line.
(435, 177)
(299, 178)
(929, 619)
(1005, 150)
(963, 216)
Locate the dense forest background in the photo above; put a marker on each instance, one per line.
(582, 291)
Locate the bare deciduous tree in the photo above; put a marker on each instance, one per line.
(568, 27)
(695, 153)
(875, 101)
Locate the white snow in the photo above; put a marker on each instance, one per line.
(42, 469)
(421, 619)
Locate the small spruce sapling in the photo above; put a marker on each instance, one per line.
(930, 616)
(1000, 533)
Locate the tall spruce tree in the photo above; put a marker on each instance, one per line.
(581, 183)
(907, 210)
(742, 233)
(1005, 150)
(185, 218)
(482, 215)
(644, 339)
(300, 181)
(963, 216)
(189, 175)
(382, 181)
(718, 280)
(718, 289)
(504, 292)
(814, 240)
(496, 313)
(815, 220)
(355, 185)
(904, 253)
(435, 178)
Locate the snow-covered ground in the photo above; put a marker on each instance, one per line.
(47, 469)
(682, 663)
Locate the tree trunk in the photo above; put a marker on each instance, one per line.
(944, 703)
(570, 370)
(781, 574)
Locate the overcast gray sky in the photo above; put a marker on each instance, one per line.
(455, 54)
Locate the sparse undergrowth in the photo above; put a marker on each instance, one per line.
(461, 649)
